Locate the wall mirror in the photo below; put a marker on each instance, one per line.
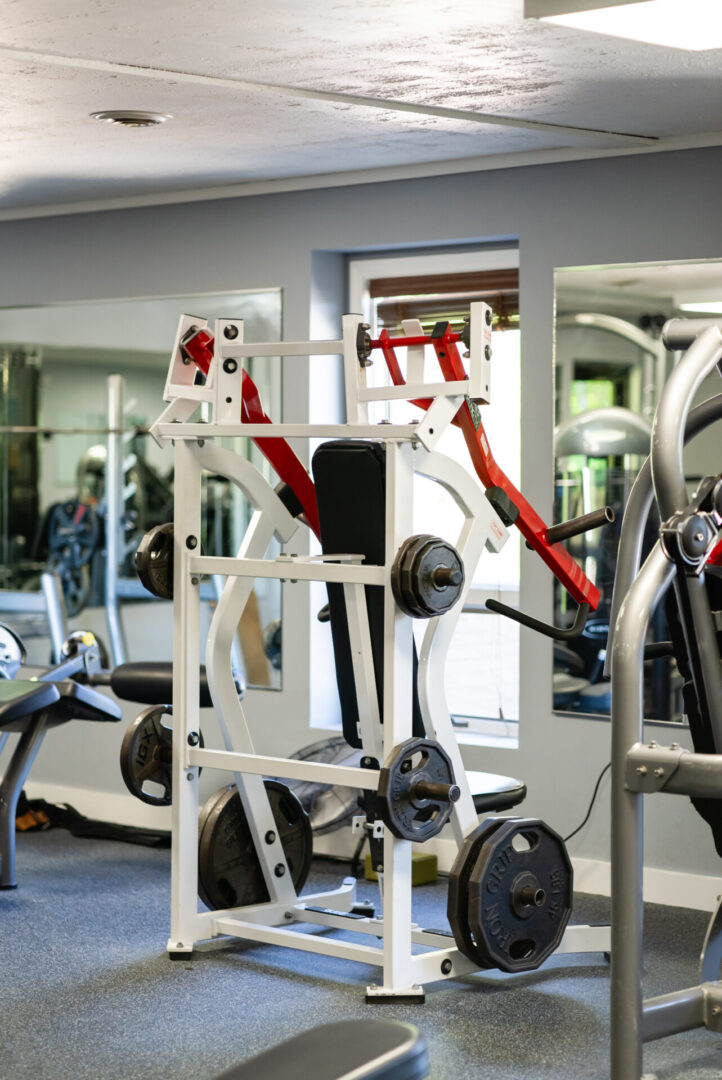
(56, 416)
(609, 368)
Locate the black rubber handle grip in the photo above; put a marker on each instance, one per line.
(547, 629)
(566, 529)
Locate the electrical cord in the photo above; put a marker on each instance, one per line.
(591, 804)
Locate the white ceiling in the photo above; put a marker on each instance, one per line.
(291, 93)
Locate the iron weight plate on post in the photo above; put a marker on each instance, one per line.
(457, 904)
(417, 790)
(146, 756)
(229, 871)
(519, 895)
(427, 576)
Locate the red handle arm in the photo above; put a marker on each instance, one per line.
(199, 348)
(468, 418)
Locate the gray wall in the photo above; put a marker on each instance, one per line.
(658, 207)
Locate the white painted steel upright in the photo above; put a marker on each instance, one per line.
(410, 450)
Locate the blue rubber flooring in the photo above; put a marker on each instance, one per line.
(87, 991)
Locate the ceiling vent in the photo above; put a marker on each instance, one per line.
(131, 118)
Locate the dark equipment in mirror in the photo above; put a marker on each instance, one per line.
(610, 366)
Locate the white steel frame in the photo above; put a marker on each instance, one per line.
(409, 451)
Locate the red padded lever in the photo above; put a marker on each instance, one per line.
(198, 347)
(468, 418)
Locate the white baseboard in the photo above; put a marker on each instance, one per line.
(700, 892)
(673, 888)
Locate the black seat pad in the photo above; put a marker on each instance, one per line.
(151, 683)
(350, 479)
(80, 702)
(20, 699)
(362, 1049)
(492, 792)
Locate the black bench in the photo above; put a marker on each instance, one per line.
(350, 479)
(362, 1049)
(31, 708)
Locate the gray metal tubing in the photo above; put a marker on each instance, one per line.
(680, 333)
(670, 420)
(636, 513)
(113, 499)
(710, 962)
(10, 788)
(699, 775)
(670, 1014)
(55, 611)
(627, 814)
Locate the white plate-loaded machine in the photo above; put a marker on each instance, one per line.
(407, 956)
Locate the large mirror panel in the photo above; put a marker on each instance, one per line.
(609, 366)
(75, 377)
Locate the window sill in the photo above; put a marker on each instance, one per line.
(498, 734)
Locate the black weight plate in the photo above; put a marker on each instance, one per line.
(146, 756)
(433, 598)
(73, 532)
(229, 872)
(413, 582)
(457, 904)
(154, 561)
(520, 895)
(407, 815)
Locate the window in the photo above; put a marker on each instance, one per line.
(482, 676)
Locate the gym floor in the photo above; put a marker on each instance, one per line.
(88, 992)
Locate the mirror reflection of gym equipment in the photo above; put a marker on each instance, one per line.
(80, 488)
(610, 366)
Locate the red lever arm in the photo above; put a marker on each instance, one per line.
(199, 348)
(715, 558)
(468, 418)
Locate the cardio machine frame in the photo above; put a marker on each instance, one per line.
(410, 450)
(641, 767)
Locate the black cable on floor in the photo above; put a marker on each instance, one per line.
(591, 804)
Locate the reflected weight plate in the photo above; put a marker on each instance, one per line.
(154, 561)
(229, 872)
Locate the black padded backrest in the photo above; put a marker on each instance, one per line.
(350, 479)
(347, 1050)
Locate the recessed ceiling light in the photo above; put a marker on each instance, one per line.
(694, 25)
(131, 117)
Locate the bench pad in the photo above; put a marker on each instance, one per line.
(151, 683)
(22, 698)
(358, 1049)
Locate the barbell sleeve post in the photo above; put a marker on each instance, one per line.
(430, 789)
